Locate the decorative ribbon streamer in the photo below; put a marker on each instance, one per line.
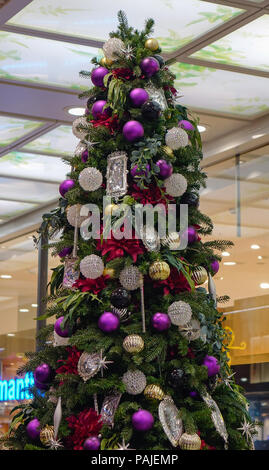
(217, 417)
(212, 289)
(57, 417)
(142, 304)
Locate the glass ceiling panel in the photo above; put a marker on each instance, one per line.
(27, 191)
(176, 24)
(12, 129)
(29, 165)
(58, 141)
(44, 61)
(247, 46)
(10, 209)
(206, 88)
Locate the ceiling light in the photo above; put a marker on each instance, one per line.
(229, 263)
(75, 111)
(10, 334)
(255, 247)
(24, 310)
(226, 253)
(264, 285)
(259, 257)
(221, 278)
(257, 136)
(6, 276)
(244, 379)
(34, 305)
(201, 128)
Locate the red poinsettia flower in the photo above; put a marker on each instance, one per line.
(112, 123)
(119, 248)
(174, 284)
(151, 195)
(86, 424)
(70, 364)
(93, 285)
(190, 354)
(204, 445)
(121, 72)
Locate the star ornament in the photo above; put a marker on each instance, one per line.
(128, 52)
(103, 363)
(248, 429)
(55, 444)
(89, 144)
(123, 446)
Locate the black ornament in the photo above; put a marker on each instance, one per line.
(94, 98)
(176, 378)
(160, 59)
(151, 110)
(191, 199)
(120, 298)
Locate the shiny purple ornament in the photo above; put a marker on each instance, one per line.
(63, 332)
(133, 130)
(33, 430)
(42, 386)
(149, 66)
(212, 365)
(135, 172)
(98, 109)
(65, 186)
(161, 321)
(166, 169)
(193, 394)
(108, 322)
(85, 156)
(65, 251)
(142, 420)
(187, 125)
(190, 234)
(138, 97)
(42, 373)
(98, 75)
(215, 266)
(92, 443)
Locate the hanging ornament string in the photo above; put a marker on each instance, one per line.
(141, 285)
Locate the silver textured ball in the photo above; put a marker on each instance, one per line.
(172, 241)
(73, 213)
(90, 179)
(179, 313)
(175, 185)
(92, 266)
(113, 47)
(130, 278)
(80, 148)
(80, 133)
(135, 381)
(176, 138)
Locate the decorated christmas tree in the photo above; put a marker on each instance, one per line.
(136, 356)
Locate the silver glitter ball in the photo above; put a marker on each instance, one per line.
(135, 381)
(191, 330)
(80, 133)
(175, 185)
(92, 266)
(180, 313)
(130, 278)
(73, 214)
(176, 138)
(113, 48)
(90, 179)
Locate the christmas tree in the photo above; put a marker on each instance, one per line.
(136, 357)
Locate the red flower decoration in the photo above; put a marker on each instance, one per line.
(190, 354)
(204, 445)
(174, 284)
(119, 248)
(151, 195)
(70, 364)
(86, 424)
(93, 285)
(125, 73)
(112, 123)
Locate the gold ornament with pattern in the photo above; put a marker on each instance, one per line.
(46, 435)
(109, 272)
(167, 150)
(190, 442)
(154, 391)
(110, 209)
(159, 271)
(152, 44)
(199, 275)
(133, 343)
(105, 62)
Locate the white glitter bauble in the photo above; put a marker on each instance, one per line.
(113, 48)
(90, 179)
(92, 266)
(135, 381)
(72, 213)
(80, 133)
(80, 148)
(175, 185)
(179, 313)
(176, 138)
(130, 278)
(172, 241)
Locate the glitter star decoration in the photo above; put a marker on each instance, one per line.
(123, 446)
(128, 52)
(55, 444)
(89, 144)
(248, 429)
(103, 362)
(228, 381)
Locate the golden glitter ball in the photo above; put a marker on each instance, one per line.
(152, 44)
(110, 209)
(167, 150)
(106, 62)
(154, 391)
(189, 442)
(159, 271)
(109, 272)
(133, 343)
(46, 434)
(199, 275)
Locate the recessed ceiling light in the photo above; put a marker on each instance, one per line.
(259, 257)
(34, 305)
(226, 253)
(201, 128)
(24, 310)
(264, 285)
(76, 111)
(6, 276)
(10, 334)
(257, 136)
(255, 247)
(229, 263)
(244, 379)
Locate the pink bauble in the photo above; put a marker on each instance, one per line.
(98, 109)
(64, 333)
(33, 429)
(212, 365)
(65, 186)
(138, 97)
(142, 420)
(187, 125)
(161, 321)
(133, 130)
(108, 322)
(149, 66)
(166, 169)
(92, 443)
(215, 266)
(98, 75)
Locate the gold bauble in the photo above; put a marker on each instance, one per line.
(154, 391)
(106, 62)
(109, 272)
(172, 241)
(152, 44)
(110, 209)
(190, 442)
(46, 434)
(167, 150)
(159, 271)
(199, 275)
(133, 343)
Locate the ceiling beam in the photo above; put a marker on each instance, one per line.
(34, 180)
(11, 8)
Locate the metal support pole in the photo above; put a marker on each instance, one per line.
(41, 284)
(238, 195)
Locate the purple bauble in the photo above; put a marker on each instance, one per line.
(42, 373)
(133, 130)
(142, 420)
(212, 365)
(135, 172)
(63, 332)
(98, 109)
(161, 321)
(138, 97)
(149, 66)
(166, 169)
(108, 322)
(92, 443)
(65, 186)
(85, 156)
(190, 234)
(33, 430)
(193, 394)
(215, 266)
(65, 251)
(187, 125)
(98, 75)
(41, 386)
